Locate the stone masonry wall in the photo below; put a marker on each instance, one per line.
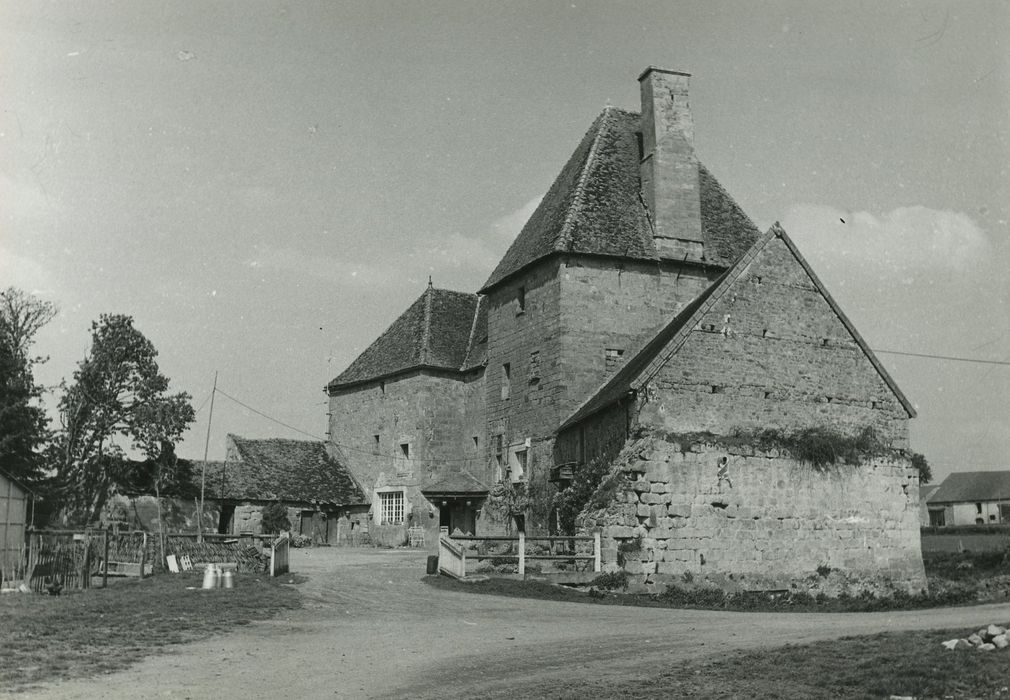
(527, 339)
(421, 409)
(556, 346)
(733, 517)
(772, 354)
(611, 306)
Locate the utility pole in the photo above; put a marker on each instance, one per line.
(203, 465)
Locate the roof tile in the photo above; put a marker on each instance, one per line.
(970, 487)
(285, 470)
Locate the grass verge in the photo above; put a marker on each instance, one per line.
(878, 666)
(86, 633)
(954, 579)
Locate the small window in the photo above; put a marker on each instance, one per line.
(521, 299)
(534, 366)
(613, 358)
(375, 443)
(506, 380)
(476, 442)
(978, 508)
(405, 450)
(391, 507)
(517, 467)
(382, 387)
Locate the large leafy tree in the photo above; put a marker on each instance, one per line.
(23, 422)
(118, 400)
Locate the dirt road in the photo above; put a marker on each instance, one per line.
(370, 628)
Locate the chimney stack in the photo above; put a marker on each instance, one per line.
(669, 169)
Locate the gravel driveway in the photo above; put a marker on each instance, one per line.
(370, 628)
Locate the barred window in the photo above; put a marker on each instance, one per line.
(391, 507)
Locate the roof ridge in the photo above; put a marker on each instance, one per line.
(473, 330)
(564, 239)
(426, 324)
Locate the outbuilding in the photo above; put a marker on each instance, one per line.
(971, 498)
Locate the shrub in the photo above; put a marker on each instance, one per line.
(275, 518)
(611, 581)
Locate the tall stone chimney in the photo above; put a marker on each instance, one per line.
(669, 169)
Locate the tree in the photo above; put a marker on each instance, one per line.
(275, 518)
(922, 465)
(118, 395)
(23, 422)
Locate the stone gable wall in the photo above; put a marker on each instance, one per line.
(772, 354)
(734, 517)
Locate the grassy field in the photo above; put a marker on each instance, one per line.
(905, 664)
(101, 630)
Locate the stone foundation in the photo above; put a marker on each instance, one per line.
(737, 518)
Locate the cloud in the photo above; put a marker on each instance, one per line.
(21, 201)
(25, 273)
(906, 241)
(459, 251)
(285, 259)
(508, 227)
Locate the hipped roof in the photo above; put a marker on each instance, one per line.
(440, 330)
(456, 483)
(595, 207)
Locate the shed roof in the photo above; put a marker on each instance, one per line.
(972, 487)
(17, 482)
(435, 332)
(283, 470)
(594, 206)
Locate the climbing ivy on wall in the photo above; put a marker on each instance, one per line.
(594, 487)
(508, 500)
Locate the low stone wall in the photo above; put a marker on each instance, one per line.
(736, 518)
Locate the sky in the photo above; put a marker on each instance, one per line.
(265, 186)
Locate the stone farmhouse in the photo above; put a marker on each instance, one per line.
(970, 498)
(638, 322)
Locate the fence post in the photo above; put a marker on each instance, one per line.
(522, 553)
(31, 556)
(85, 563)
(596, 552)
(105, 561)
(143, 555)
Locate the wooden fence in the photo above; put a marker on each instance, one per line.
(453, 552)
(279, 550)
(70, 559)
(64, 559)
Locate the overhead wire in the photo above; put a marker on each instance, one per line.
(468, 461)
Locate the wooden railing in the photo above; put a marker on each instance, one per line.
(454, 551)
(279, 550)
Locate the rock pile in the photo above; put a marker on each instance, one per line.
(986, 639)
